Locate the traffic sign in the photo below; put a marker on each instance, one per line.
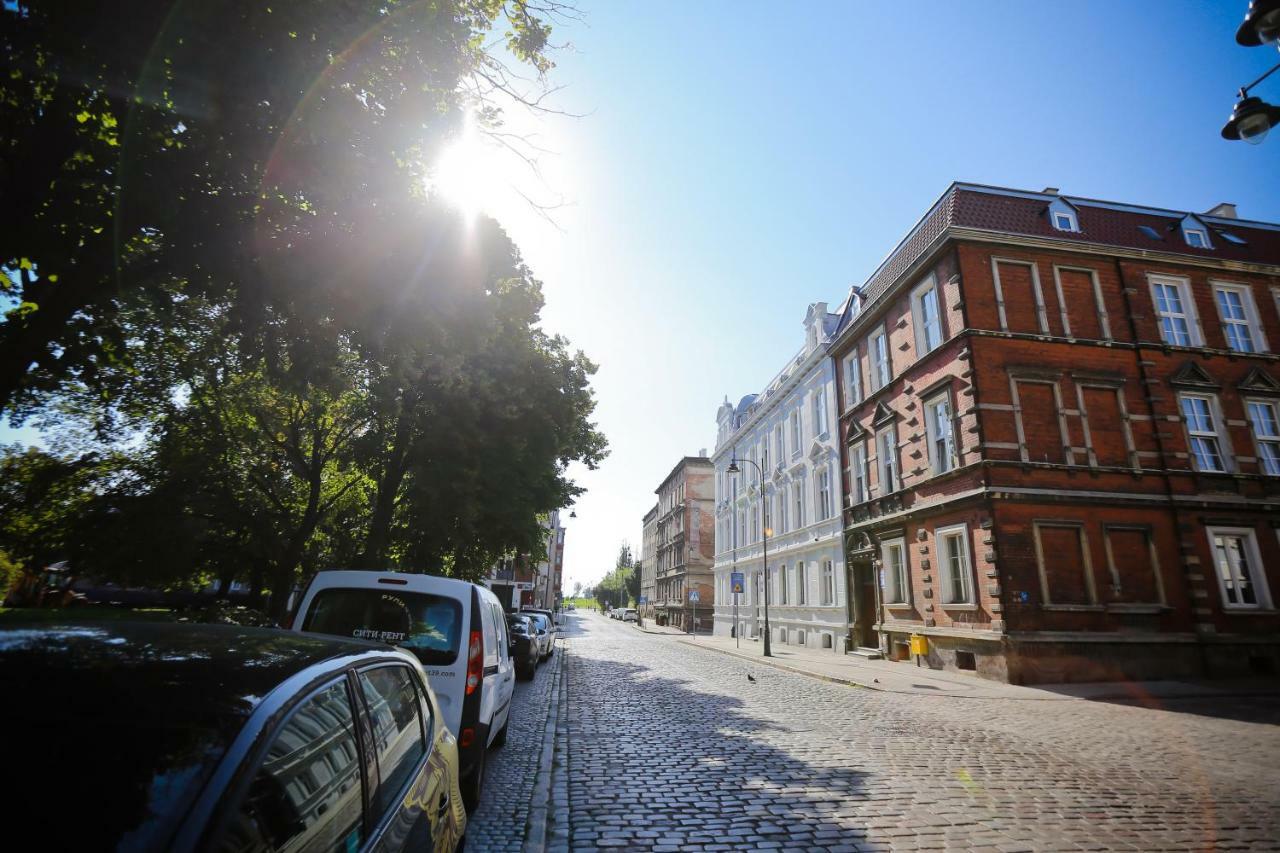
(693, 596)
(736, 583)
(644, 599)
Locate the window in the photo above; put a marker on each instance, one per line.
(1197, 238)
(781, 497)
(795, 432)
(779, 444)
(928, 321)
(782, 584)
(1264, 417)
(820, 413)
(428, 625)
(953, 556)
(308, 786)
(755, 525)
(828, 583)
(397, 729)
(1174, 308)
(824, 493)
(861, 488)
(1238, 567)
(797, 497)
(1202, 432)
(802, 583)
(852, 378)
(1064, 221)
(942, 447)
(880, 368)
(768, 514)
(893, 559)
(1239, 317)
(887, 458)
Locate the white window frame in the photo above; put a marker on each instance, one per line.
(943, 535)
(897, 579)
(795, 432)
(780, 495)
(881, 371)
(937, 462)
(829, 591)
(1070, 218)
(797, 503)
(802, 597)
(782, 584)
(861, 479)
(780, 440)
(1257, 572)
(1218, 434)
(853, 376)
(1261, 442)
(1201, 233)
(1251, 322)
(823, 479)
(820, 424)
(1189, 315)
(887, 460)
(924, 345)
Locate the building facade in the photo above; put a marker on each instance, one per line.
(684, 545)
(648, 565)
(1059, 440)
(549, 576)
(789, 432)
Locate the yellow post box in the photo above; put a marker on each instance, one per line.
(919, 644)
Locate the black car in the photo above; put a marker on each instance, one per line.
(524, 645)
(162, 736)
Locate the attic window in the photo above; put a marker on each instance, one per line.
(1196, 238)
(1232, 238)
(1150, 232)
(1064, 221)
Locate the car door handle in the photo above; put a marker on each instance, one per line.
(444, 806)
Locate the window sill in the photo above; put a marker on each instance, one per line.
(1138, 608)
(1075, 608)
(1249, 611)
(899, 605)
(960, 606)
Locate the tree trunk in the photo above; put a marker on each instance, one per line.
(379, 538)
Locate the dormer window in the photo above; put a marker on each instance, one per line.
(1195, 233)
(1064, 221)
(1062, 215)
(1196, 238)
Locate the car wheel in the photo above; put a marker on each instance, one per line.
(474, 785)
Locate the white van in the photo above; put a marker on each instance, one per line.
(457, 629)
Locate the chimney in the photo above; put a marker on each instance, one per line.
(1050, 190)
(1227, 210)
(702, 451)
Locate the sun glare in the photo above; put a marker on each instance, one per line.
(470, 174)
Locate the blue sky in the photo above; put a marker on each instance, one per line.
(738, 161)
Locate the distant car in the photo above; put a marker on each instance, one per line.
(546, 634)
(525, 646)
(221, 738)
(458, 631)
(572, 608)
(629, 615)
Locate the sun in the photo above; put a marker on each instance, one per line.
(472, 175)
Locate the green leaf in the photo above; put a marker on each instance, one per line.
(82, 117)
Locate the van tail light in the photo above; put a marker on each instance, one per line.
(475, 663)
(468, 737)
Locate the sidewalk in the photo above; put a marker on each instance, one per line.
(651, 627)
(906, 678)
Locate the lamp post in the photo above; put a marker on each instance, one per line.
(1253, 117)
(764, 542)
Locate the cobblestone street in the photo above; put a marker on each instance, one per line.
(671, 747)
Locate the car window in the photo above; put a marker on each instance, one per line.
(397, 730)
(306, 794)
(500, 624)
(540, 621)
(490, 634)
(428, 625)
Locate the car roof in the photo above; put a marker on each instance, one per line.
(404, 580)
(142, 711)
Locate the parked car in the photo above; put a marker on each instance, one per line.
(629, 615)
(545, 633)
(222, 738)
(551, 615)
(525, 646)
(458, 631)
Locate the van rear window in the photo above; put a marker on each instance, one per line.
(428, 625)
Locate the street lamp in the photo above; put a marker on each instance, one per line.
(1252, 116)
(764, 542)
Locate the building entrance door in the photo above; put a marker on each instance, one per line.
(865, 609)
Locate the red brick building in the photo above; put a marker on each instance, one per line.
(684, 545)
(1060, 440)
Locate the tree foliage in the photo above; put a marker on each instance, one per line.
(223, 266)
